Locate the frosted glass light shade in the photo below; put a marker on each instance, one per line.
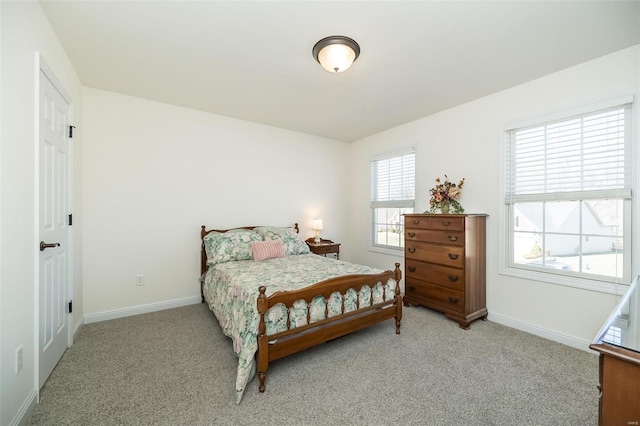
(336, 57)
(336, 53)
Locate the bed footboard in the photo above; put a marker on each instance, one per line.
(334, 324)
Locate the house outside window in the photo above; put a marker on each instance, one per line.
(568, 196)
(392, 195)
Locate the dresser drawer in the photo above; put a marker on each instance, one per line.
(447, 222)
(455, 238)
(444, 276)
(444, 298)
(434, 253)
(324, 249)
(416, 222)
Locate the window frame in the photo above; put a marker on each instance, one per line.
(599, 283)
(400, 204)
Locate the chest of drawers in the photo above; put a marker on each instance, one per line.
(445, 264)
(619, 346)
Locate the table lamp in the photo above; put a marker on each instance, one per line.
(317, 226)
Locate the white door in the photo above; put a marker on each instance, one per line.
(54, 231)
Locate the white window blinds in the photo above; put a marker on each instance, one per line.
(393, 181)
(586, 156)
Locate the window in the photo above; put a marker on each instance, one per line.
(568, 195)
(392, 195)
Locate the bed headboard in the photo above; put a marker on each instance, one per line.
(204, 231)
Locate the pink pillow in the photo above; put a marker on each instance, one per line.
(270, 249)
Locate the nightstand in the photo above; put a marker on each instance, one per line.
(324, 247)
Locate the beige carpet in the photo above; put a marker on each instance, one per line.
(175, 367)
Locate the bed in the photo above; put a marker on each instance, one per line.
(273, 298)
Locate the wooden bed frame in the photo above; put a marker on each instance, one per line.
(294, 340)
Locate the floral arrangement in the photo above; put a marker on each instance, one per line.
(445, 196)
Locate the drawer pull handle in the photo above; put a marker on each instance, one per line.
(453, 278)
(415, 222)
(412, 268)
(411, 250)
(453, 256)
(447, 223)
(599, 391)
(453, 299)
(412, 288)
(453, 238)
(412, 234)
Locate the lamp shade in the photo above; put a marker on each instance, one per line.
(317, 224)
(336, 53)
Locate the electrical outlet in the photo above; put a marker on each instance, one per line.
(140, 279)
(18, 359)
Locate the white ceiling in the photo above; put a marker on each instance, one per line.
(252, 60)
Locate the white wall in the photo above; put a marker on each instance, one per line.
(154, 173)
(26, 31)
(465, 142)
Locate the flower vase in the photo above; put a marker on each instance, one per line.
(444, 208)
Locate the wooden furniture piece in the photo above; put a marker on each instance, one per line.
(324, 247)
(366, 312)
(618, 343)
(445, 264)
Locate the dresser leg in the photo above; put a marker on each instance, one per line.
(462, 323)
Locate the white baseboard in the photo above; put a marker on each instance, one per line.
(76, 328)
(538, 331)
(26, 408)
(141, 309)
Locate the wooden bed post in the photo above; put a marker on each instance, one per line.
(263, 342)
(398, 276)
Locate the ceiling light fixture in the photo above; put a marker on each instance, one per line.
(336, 53)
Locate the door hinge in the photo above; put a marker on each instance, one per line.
(71, 219)
(71, 131)
(70, 306)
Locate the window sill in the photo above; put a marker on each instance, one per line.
(566, 280)
(398, 252)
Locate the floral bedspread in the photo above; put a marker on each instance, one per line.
(231, 290)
